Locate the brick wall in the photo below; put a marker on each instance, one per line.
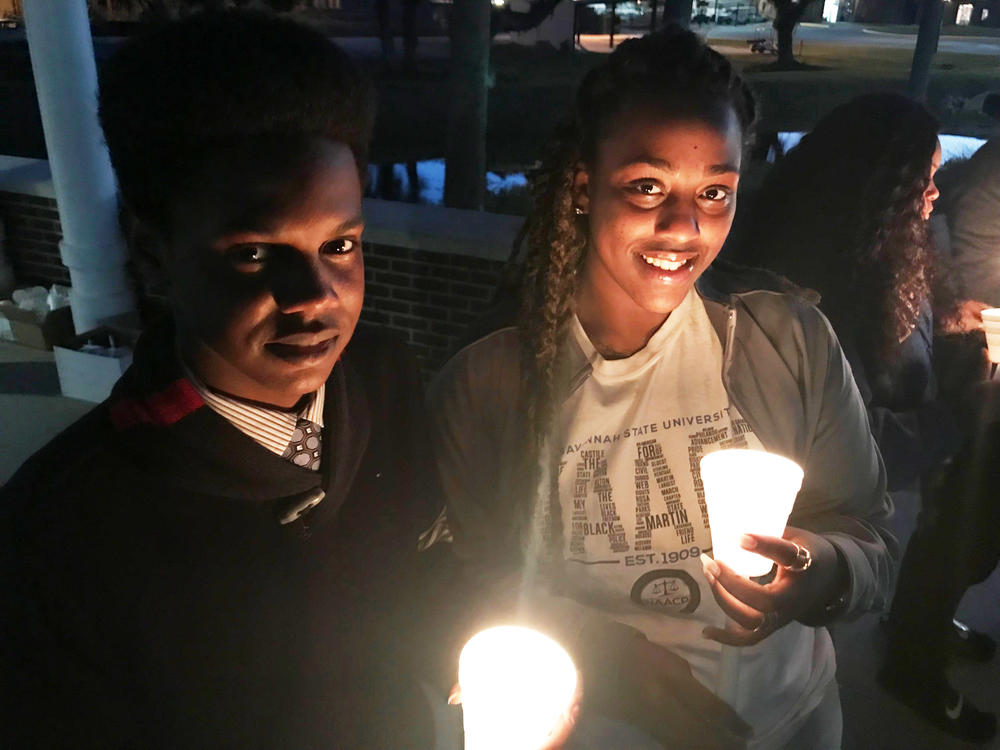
(429, 299)
(32, 239)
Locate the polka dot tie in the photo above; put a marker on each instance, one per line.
(306, 446)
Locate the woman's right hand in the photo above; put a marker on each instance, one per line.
(661, 696)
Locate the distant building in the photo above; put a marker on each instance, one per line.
(960, 12)
(981, 13)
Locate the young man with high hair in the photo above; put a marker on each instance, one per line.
(224, 553)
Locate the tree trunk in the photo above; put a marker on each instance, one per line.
(614, 24)
(788, 13)
(465, 157)
(786, 50)
(931, 15)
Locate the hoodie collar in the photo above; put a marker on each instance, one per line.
(721, 283)
(724, 279)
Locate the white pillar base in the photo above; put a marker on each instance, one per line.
(99, 290)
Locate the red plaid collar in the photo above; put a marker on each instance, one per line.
(160, 409)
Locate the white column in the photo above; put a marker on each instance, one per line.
(62, 59)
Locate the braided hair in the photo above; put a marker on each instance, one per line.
(842, 214)
(678, 74)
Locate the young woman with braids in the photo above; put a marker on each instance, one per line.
(845, 213)
(569, 444)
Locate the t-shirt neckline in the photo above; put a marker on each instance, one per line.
(645, 357)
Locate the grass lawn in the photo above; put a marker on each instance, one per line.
(794, 100)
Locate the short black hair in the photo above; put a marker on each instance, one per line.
(171, 96)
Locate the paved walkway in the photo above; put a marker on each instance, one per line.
(873, 720)
(33, 411)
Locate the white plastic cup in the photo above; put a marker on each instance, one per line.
(991, 324)
(515, 683)
(747, 492)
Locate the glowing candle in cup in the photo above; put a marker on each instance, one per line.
(991, 325)
(515, 685)
(747, 492)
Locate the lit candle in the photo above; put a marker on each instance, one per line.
(515, 684)
(747, 492)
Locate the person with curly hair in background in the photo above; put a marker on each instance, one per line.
(569, 443)
(845, 214)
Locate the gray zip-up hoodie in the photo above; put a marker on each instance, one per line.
(785, 373)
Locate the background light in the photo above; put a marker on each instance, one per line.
(991, 324)
(515, 685)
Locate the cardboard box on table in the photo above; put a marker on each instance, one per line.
(87, 375)
(24, 326)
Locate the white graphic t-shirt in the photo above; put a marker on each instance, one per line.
(635, 519)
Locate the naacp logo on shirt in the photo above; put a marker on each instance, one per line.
(670, 591)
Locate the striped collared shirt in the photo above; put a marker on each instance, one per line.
(272, 428)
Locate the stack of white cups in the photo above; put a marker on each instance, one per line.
(991, 324)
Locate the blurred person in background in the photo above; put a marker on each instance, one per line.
(845, 213)
(971, 201)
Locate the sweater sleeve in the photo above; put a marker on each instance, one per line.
(468, 422)
(915, 439)
(59, 687)
(844, 495)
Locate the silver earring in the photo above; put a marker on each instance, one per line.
(578, 211)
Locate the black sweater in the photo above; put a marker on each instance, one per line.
(152, 598)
